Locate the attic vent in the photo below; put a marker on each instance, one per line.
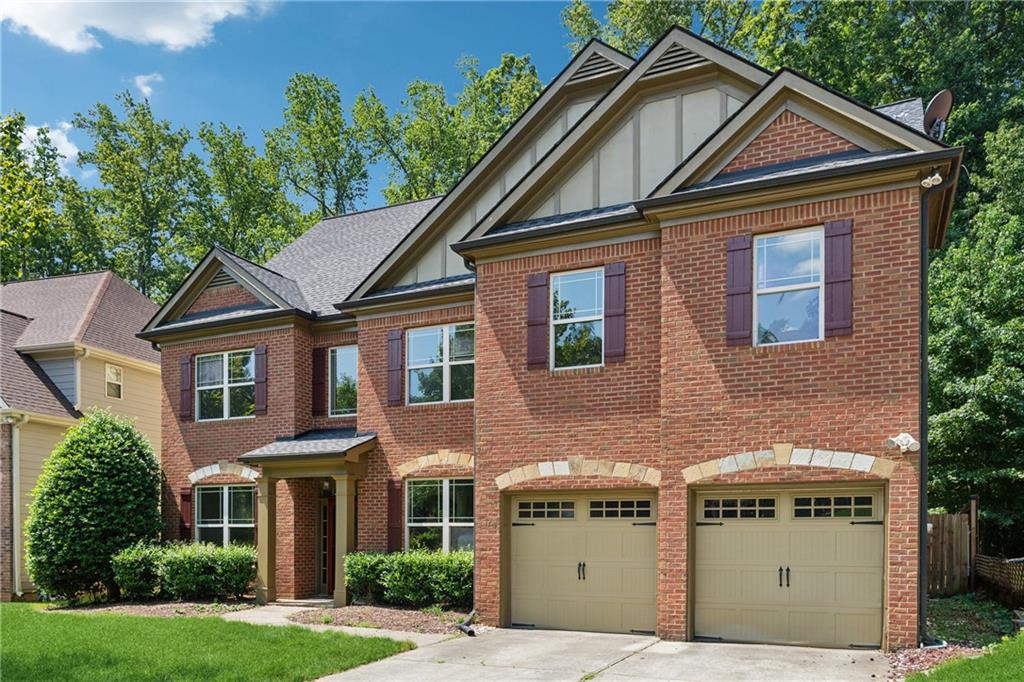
(675, 58)
(593, 66)
(221, 279)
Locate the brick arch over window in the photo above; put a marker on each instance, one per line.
(582, 467)
(439, 458)
(784, 454)
(228, 468)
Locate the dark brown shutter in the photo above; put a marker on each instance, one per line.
(395, 516)
(739, 274)
(186, 513)
(319, 382)
(615, 312)
(839, 277)
(395, 367)
(185, 401)
(260, 406)
(537, 321)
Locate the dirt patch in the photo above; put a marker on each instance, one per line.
(164, 609)
(903, 662)
(433, 621)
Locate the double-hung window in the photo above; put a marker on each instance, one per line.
(577, 319)
(114, 379)
(440, 362)
(344, 361)
(789, 287)
(225, 514)
(439, 514)
(225, 385)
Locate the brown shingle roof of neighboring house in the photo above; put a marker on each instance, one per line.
(23, 385)
(95, 309)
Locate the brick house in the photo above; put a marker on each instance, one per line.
(644, 358)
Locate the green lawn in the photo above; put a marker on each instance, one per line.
(40, 645)
(1004, 662)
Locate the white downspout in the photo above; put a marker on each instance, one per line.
(16, 529)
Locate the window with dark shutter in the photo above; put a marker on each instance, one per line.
(185, 401)
(537, 321)
(395, 367)
(319, 382)
(739, 271)
(615, 312)
(395, 516)
(839, 277)
(260, 379)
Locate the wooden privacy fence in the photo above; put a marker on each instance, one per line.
(949, 554)
(1003, 578)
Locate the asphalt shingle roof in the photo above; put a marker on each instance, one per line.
(318, 442)
(285, 287)
(907, 111)
(23, 384)
(429, 285)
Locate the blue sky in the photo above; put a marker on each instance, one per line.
(230, 61)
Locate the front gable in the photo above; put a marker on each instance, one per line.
(789, 137)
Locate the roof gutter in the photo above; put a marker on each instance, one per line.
(509, 237)
(403, 296)
(257, 317)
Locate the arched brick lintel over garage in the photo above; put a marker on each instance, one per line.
(784, 454)
(579, 466)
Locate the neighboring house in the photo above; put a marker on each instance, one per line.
(67, 344)
(644, 358)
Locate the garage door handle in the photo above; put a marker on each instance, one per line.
(579, 570)
(787, 576)
(780, 576)
(584, 570)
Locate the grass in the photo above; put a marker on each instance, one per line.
(969, 620)
(1004, 662)
(41, 645)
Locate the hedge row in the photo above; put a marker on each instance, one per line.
(184, 570)
(416, 578)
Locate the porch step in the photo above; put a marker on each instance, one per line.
(311, 602)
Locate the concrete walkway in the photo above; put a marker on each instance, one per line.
(572, 656)
(277, 614)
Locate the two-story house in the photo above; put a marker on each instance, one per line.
(644, 358)
(67, 344)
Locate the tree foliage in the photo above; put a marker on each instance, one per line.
(99, 493)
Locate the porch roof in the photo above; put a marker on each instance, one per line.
(312, 444)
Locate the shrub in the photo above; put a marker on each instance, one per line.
(198, 570)
(99, 493)
(416, 578)
(136, 570)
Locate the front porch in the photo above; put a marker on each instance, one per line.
(336, 456)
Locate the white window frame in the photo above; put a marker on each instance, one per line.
(552, 323)
(225, 384)
(446, 364)
(331, 412)
(107, 381)
(819, 285)
(446, 523)
(225, 501)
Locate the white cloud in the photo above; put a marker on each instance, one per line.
(144, 82)
(59, 137)
(74, 26)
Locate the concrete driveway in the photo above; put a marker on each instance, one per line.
(571, 656)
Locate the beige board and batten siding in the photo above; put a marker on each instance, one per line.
(140, 399)
(35, 443)
(438, 260)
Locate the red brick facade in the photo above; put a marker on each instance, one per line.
(228, 296)
(788, 138)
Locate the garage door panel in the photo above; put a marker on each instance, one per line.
(638, 581)
(763, 545)
(811, 547)
(639, 616)
(761, 586)
(715, 584)
(716, 547)
(812, 626)
(862, 629)
(859, 588)
(812, 586)
(860, 547)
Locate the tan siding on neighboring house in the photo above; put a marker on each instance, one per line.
(35, 443)
(140, 398)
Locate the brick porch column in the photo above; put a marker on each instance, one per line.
(344, 531)
(266, 540)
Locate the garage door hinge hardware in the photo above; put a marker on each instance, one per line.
(645, 523)
(865, 523)
(523, 524)
(710, 523)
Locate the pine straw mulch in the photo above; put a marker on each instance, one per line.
(431, 620)
(161, 608)
(903, 662)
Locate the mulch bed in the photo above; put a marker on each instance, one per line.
(903, 662)
(165, 609)
(388, 617)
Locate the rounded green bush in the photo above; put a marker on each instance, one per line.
(99, 493)
(203, 570)
(416, 578)
(363, 575)
(136, 570)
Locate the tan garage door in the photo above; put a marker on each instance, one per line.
(790, 567)
(584, 562)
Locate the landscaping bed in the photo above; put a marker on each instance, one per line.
(166, 609)
(430, 620)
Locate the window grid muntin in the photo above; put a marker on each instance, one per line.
(445, 365)
(758, 290)
(115, 378)
(445, 523)
(597, 317)
(740, 508)
(620, 509)
(839, 506)
(546, 509)
(332, 359)
(225, 384)
(224, 523)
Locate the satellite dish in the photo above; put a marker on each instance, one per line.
(937, 112)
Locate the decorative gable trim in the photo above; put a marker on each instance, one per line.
(222, 279)
(595, 66)
(675, 59)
